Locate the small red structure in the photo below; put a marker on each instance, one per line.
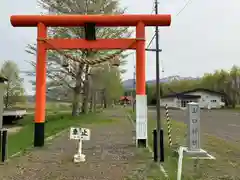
(44, 43)
(126, 100)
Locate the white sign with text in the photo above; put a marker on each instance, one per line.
(80, 133)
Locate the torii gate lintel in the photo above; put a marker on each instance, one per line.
(44, 43)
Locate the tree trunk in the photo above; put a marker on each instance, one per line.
(102, 98)
(105, 98)
(94, 100)
(91, 102)
(234, 99)
(7, 97)
(77, 92)
(85, 97)
(75, 102)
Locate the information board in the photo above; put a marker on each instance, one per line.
(80, 133)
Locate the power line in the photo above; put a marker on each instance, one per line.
(179, 12)
(153, 10)
(149, 44)
(184, 7)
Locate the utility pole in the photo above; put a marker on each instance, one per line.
(160, 144)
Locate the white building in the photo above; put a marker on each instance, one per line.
(206, 99)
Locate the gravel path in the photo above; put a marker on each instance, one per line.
(110, 155)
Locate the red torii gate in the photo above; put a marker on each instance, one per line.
(44, 43)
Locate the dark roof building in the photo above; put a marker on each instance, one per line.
(204, 97)
(186, 95)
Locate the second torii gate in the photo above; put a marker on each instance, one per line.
(44, 43)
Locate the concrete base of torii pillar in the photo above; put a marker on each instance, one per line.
(141, 121)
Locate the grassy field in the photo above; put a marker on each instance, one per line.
(50, 106)
(54, 123)
(225, 167)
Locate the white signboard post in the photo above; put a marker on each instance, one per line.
(193, 149)
(80, 134)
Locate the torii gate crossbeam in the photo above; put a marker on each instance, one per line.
(44, 43)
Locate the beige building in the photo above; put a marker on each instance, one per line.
(204, 97)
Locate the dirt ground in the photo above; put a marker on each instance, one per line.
(221, 123)
(110, 155)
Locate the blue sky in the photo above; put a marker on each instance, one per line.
(203, 38)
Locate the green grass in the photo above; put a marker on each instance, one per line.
(50, 106)
(145, 168)
(225, 167)
(54, 123)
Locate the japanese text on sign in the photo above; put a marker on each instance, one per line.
(193, 126)
(79, 133)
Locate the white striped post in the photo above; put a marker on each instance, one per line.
(169, 126)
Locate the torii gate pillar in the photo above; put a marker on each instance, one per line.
(44, 43)
(141, 97)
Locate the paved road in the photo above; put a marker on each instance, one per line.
(221, 123)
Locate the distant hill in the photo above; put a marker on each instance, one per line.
(128, 84)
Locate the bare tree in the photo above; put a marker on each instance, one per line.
(14, 86)
(70, 69)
